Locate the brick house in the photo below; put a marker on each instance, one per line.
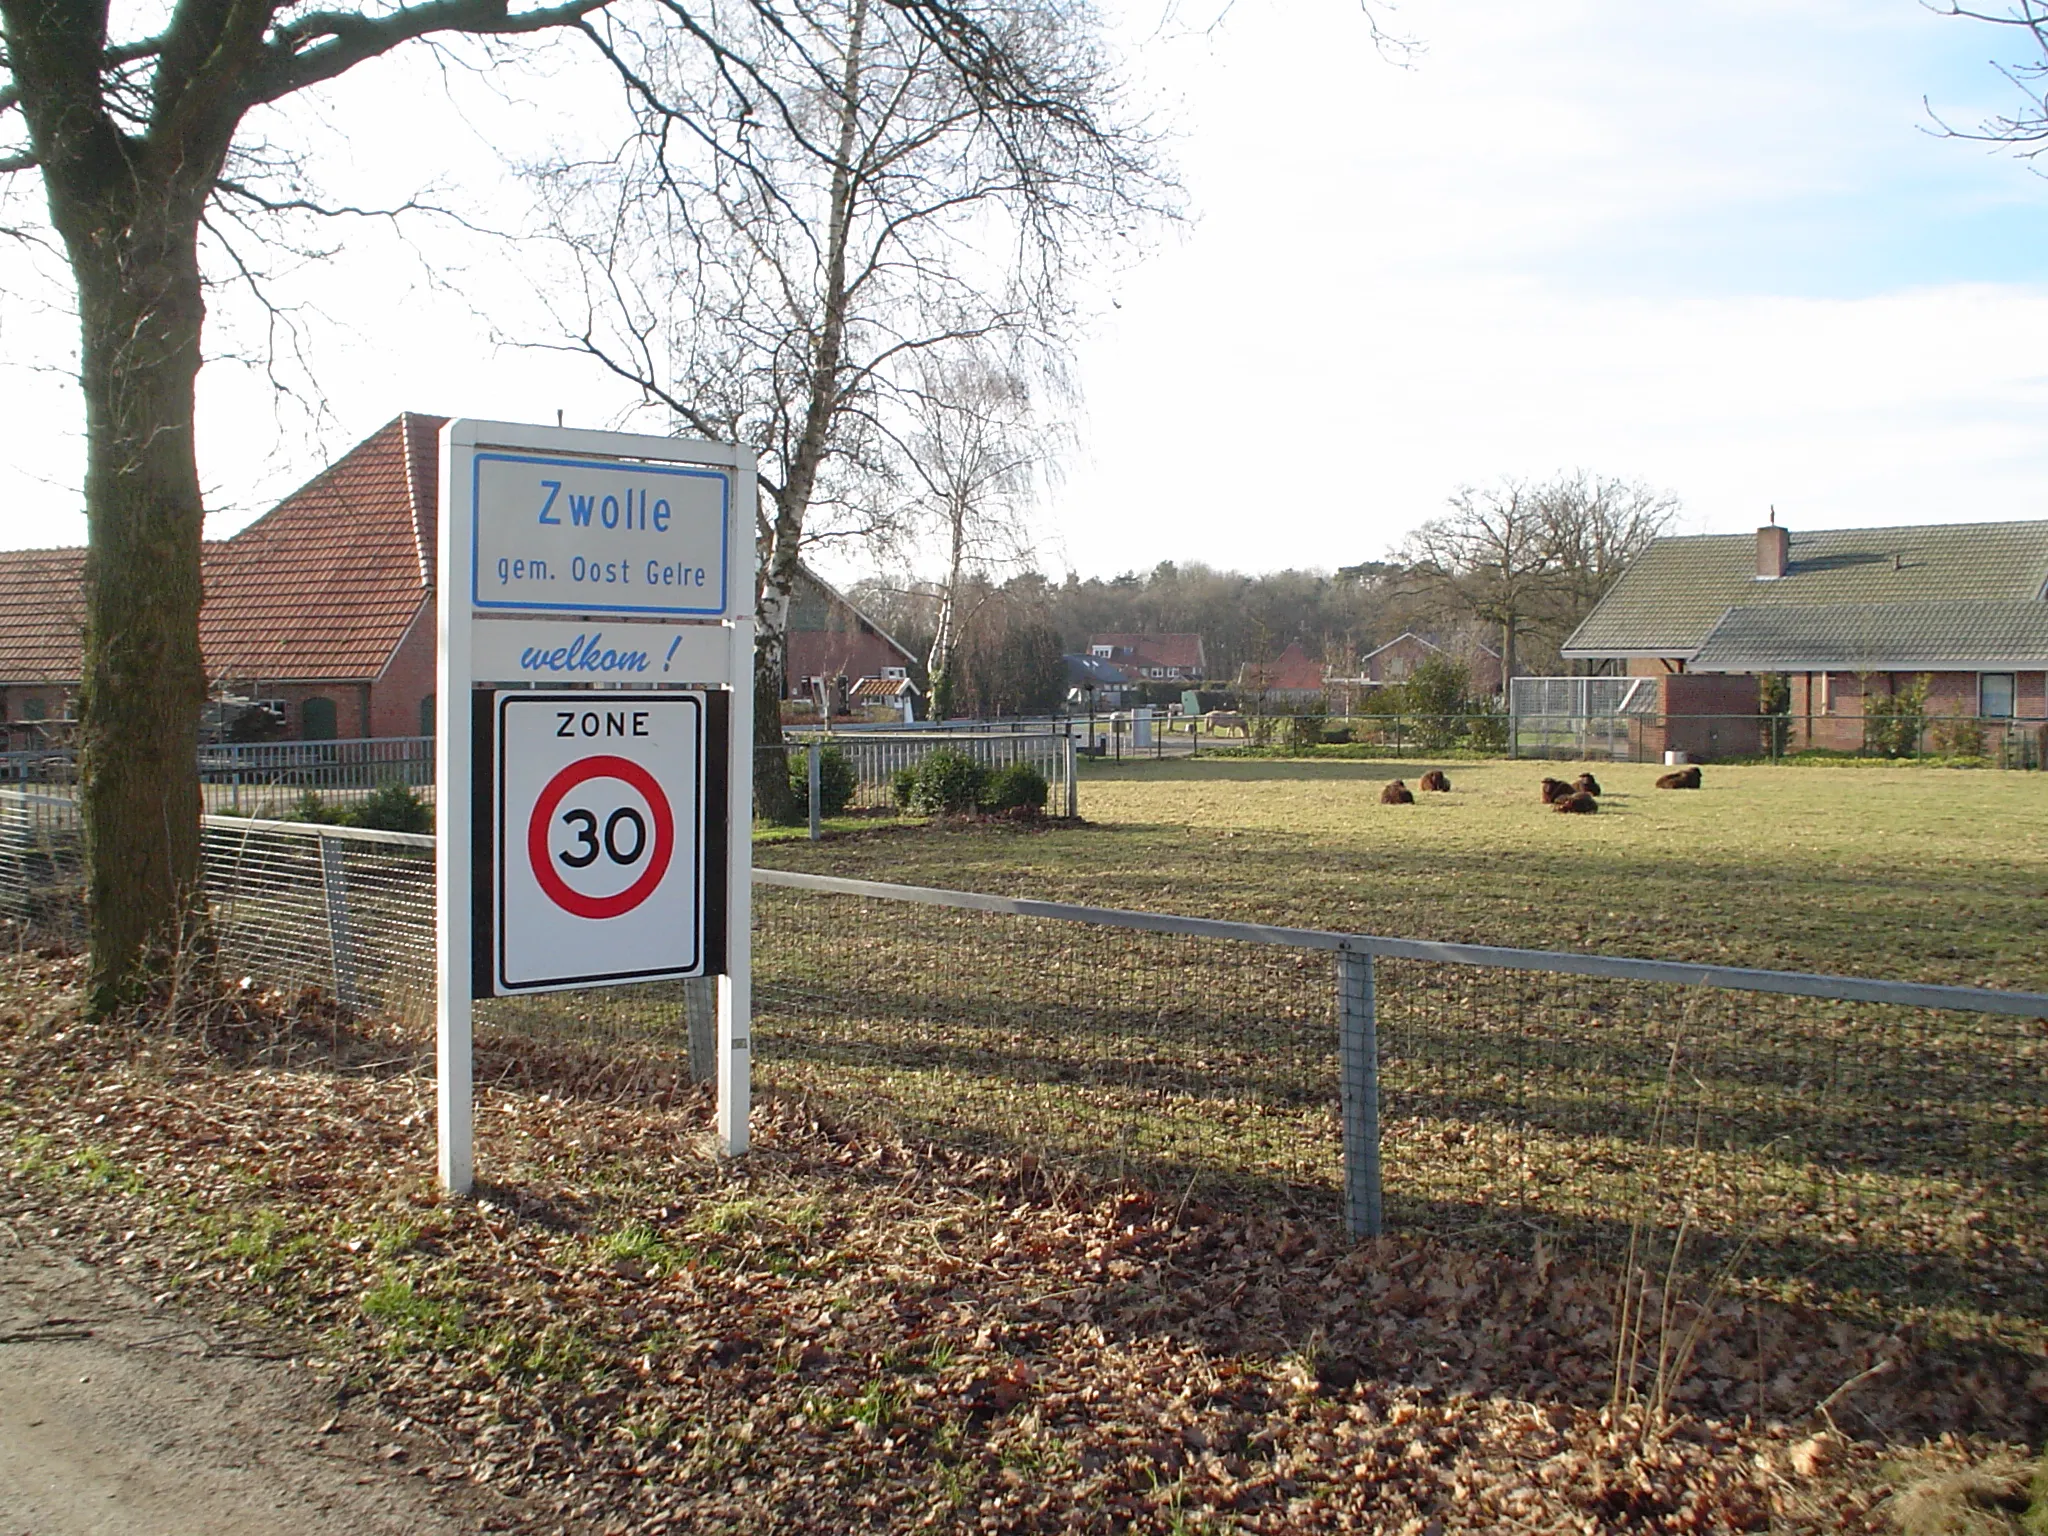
(830, 639)
(1153, 658)
(324, 608)
(1843, 615)
(1396, 661)
(1289, 678)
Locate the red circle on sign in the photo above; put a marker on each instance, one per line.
(558, 891)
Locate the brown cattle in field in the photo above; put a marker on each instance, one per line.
(1586, 784)
(1554, 790)
(1685, 778)
(1223, 720)
(1437, 780)
(1577, 803)
(1396, 793)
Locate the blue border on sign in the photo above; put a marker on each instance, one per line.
(723, 477)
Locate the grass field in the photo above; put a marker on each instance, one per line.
(1888, 1160)
(1908, 873)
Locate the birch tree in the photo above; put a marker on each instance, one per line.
(973, 452)
(778, 246)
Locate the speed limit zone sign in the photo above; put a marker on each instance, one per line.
(600, 840)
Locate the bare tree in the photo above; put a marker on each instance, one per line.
(1491, 558)
(1596, 527)
(973, 450)
(779, 245)
(1534, 558)
(2027, 126)
(137, 139)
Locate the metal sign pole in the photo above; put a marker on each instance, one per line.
(735, 986)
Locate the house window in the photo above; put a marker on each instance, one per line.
(317, 720)
(427, 715)
(34, 708)
(896, 672)
(1104, 651)
(1995, 695)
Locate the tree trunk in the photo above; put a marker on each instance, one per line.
(774, 799)
(143, 682)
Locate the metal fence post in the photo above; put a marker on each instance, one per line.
(815, 752)
(341, 942)
(1358, 1078)
(1073, 784)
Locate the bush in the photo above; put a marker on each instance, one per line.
(1016, 787)
(1892, 722)
(1487, 731)
(1304, 732)
(902, 786)
(1959, 736)
(836, 780)
(947, 783)
(392, 807)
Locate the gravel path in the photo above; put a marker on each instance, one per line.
(122, 1418)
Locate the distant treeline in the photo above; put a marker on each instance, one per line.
(1335, 616)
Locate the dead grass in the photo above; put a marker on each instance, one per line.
(854, 1331)
(1912, 873)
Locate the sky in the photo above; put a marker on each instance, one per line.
(1720, 249)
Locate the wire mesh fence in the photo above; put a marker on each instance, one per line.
(1862, 1148)
(1888, 1157)
(259, 778)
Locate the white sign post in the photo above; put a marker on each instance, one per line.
(594, 710)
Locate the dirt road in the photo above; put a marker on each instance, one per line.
(122, 1418)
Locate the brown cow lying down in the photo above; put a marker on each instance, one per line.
(1436, 779)
(1396, 793)
(1586, 784)
(1685, 778)
(1554, 790)
(1577, 803)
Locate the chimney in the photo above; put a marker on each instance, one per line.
(1773, 550)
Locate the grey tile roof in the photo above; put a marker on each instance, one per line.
(1876, 637)
(1676, 593)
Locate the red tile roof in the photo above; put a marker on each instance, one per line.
(42, 611)
(1183, 651)
(321, 588)
(1290, 671)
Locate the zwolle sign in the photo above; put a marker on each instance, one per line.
(595, 715)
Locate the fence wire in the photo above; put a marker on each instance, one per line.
(1887, 1157)
(1874, 1155)
(1200, 1065)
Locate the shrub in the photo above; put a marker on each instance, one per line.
(1959, 736)
(312, 808)
(1487, 731)
(1017, 786)
(392, 807)
(947, 783)
(836, 780)
(1304, 731)
(1892, 722)
(902, 786)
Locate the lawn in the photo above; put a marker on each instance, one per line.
(1908, 873)
(1877, 1159)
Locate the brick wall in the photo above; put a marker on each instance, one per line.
(407, 680)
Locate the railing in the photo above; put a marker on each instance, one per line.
(252, 778)
(877, 758)
(1646, 738)
(1877, 1144)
